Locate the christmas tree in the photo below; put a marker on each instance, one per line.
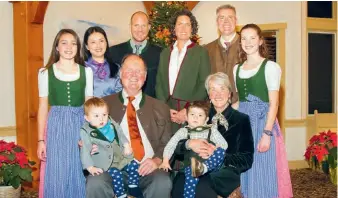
(159, 18)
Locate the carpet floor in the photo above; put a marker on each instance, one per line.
(306, 183)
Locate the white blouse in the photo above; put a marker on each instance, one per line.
(43, 80)
(176, 59)
(273, 74)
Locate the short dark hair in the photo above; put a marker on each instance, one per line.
(204, 105)
(173, 19)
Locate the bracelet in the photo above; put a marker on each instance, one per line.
(41, 140)
(268, 132)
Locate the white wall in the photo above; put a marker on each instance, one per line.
(7, 102)
(114, 14)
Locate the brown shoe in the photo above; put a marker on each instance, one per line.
(196, 167)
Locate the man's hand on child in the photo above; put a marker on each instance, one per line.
(94, 171)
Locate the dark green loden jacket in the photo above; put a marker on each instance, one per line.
(189, 85)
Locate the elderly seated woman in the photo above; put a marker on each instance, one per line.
(235, 128)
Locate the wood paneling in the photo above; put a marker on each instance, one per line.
(28, 58)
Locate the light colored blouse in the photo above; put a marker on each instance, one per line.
(43, 80)
(176, 59)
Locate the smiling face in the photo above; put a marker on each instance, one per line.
(96, 45)
(67, 46)
(226, 21)
(139, 27)
(97, 116)
(196, 117)
(183, 28)
(219, 94)
(133, 75)
(250, 41)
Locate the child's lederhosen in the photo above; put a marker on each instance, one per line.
(190, 153)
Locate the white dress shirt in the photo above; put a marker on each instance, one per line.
(176, 59)
(148, 149)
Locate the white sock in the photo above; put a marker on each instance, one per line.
(132, 186)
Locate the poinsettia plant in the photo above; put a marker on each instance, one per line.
(15, 167)
(322, 153)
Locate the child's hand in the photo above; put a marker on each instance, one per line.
(165, 166)
(94, 171)
(127, 150)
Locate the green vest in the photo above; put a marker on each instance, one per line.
(255, 85)
(63, 93)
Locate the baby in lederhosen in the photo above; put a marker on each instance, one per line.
(197, 128)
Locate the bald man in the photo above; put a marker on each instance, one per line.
(138, 44)
(154, 131)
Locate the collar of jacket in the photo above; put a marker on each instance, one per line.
(188, 47)
(96, 133)
(231, 43)
(142, 99)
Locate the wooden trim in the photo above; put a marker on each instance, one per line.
(148, 5)
(8, 131)
(295, 123)
(191, 4)
(40, 10)
(304, 61)
(297, 164)
(28, 58)
(315, 24)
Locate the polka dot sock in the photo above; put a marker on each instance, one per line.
(118, 185)
(215, 159)
(189, 184)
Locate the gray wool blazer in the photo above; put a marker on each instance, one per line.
(110, 154)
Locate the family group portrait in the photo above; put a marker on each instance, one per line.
(169, 99)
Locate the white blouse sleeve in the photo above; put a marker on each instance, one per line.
(273, 75)
(234, 72)
(43, 82)
(89, 82)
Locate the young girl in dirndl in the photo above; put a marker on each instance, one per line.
(257, 82)
(64, 85)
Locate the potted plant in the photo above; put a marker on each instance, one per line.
(322, 153)
(15, 168)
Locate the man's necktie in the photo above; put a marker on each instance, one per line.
(137, 51)
(135, 137)
(227, 44)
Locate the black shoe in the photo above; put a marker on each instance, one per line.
(197, 167)
(135, 192)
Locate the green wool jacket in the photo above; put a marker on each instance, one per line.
(189, 85)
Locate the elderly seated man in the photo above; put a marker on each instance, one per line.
(146, 123)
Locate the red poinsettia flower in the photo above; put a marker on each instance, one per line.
(22, 159)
